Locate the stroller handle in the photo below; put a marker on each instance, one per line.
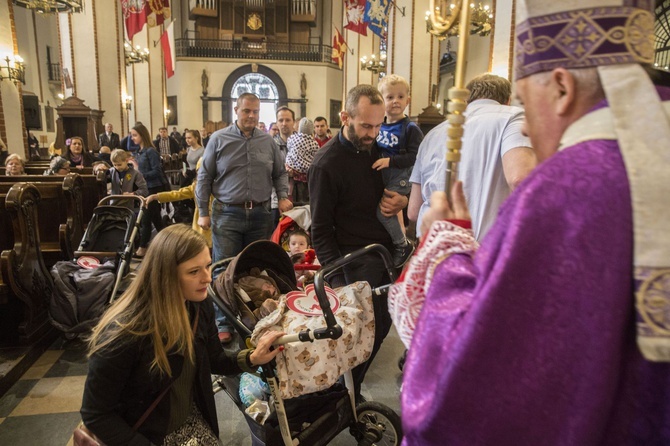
(110, 198)
(332, 329)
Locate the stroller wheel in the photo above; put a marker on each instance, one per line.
(377, 424)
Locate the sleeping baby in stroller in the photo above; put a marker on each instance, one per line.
(259, 290)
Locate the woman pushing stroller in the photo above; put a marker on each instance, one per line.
(157, 346)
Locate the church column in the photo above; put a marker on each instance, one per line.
(109, 36)
(12, 125)
(503, 38)
(412, 52)
(92, 52)
(148, 81)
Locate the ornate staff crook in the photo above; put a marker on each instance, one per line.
(457, 94)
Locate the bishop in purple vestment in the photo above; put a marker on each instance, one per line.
(536, 337)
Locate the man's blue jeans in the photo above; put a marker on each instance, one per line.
(233, 228)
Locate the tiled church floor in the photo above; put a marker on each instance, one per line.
(42, 408)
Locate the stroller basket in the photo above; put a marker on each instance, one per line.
(327, 412)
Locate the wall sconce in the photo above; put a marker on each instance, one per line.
(14, 69)
(167, 112)
(135, 55)
(128, 102)
(374, 63)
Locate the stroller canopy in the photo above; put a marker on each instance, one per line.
(262, 254)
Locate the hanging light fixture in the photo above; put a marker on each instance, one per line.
(135, 55)
(374, 63)
(51, 6)
(481, 19)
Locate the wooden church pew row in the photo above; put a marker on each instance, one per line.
(39, 170)
(26, 282)
(61, 219)
(94, 189)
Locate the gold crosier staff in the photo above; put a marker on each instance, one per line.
(458, 94)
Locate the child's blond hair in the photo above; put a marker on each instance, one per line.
(118, 155)
(392, 79)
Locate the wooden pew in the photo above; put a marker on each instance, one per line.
(26, 284)
(94, 189)
(39, 170)
(61, 218)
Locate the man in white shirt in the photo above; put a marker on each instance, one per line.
(495, 157)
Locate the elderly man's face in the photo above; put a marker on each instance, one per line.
(362, 129)
(108, 128)
(542, 124)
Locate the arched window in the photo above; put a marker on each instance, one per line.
(662, 32)
(255, 83)
(261, 86)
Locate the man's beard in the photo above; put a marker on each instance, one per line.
(359, 143)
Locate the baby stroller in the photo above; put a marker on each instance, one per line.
(316, 418)
(85, 285)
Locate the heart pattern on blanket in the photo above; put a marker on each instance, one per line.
(306, 302)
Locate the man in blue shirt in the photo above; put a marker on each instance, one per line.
(240, 166)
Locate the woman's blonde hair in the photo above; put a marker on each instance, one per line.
(16, 157)
(154, 305)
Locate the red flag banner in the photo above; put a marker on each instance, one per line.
(339, 47)
(136, 13)
(355, 10)
(167, 43)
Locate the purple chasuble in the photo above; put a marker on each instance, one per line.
(532, 341)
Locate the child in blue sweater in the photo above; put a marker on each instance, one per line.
(398, 141)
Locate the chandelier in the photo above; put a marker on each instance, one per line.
(51, 6)
(135, 55)
(374, 63)
(481, 19)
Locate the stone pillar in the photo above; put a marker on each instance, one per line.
(12, 124)
(503, 38)
(91, 50)
(146, 81)
(413, 53)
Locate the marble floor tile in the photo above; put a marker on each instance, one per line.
(39, 430)
(43, 364)
(52, 395)
(73, 362)
(15, 395)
